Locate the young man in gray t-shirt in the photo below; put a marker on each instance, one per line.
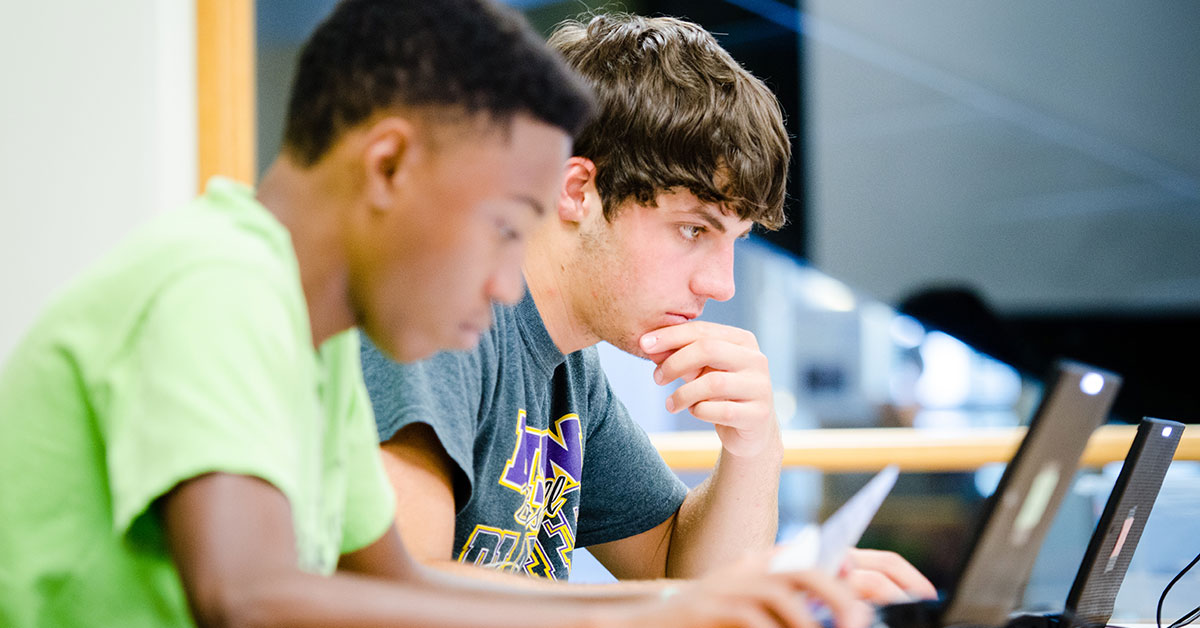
(512, 455)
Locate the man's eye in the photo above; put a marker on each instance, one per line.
(690, 232)
(507, 233)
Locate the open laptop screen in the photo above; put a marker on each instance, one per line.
(1017, 516)
(1090, 602)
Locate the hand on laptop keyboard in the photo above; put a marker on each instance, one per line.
(882, 577)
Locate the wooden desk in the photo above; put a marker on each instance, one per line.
(870, 449)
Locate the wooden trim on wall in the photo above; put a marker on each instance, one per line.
(225, 89)
(870, 449)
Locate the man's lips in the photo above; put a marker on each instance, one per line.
(677, 318)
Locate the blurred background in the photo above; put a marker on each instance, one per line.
(1023, 175)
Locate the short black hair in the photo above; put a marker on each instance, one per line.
(470, 56)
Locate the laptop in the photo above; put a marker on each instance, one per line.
(1017, 516)
(1090, 602)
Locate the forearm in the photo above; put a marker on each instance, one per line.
(735, 511)
(230, 539)
(615, 591)
(431, 599)
(727, 383)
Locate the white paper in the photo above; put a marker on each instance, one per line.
(825, 548)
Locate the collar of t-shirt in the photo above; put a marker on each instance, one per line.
(538, 344)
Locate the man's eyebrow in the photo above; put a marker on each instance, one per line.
(708, 217)
(533, 203)
(703, 212)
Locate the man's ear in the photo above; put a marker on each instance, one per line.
(387, 158)
(578, 190)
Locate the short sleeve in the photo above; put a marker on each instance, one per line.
(628, 488)
(370, 502)
(210, 381)
(443, 392)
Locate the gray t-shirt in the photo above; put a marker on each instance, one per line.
(548, 458)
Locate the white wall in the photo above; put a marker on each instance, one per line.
(97, 133)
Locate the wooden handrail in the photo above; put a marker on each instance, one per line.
(225, 129)
(870, 449)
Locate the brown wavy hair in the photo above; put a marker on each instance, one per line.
(676, 111)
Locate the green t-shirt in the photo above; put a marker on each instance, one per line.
(187, 350)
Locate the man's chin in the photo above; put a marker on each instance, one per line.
(412, 352)
(631, 347)
(399, 348)
(466, 339)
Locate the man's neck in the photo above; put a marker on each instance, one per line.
(546, 274)
(310, 209)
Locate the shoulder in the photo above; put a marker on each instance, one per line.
(585, 364)
(589, 386)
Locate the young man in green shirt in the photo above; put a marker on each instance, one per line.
(184, 434)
